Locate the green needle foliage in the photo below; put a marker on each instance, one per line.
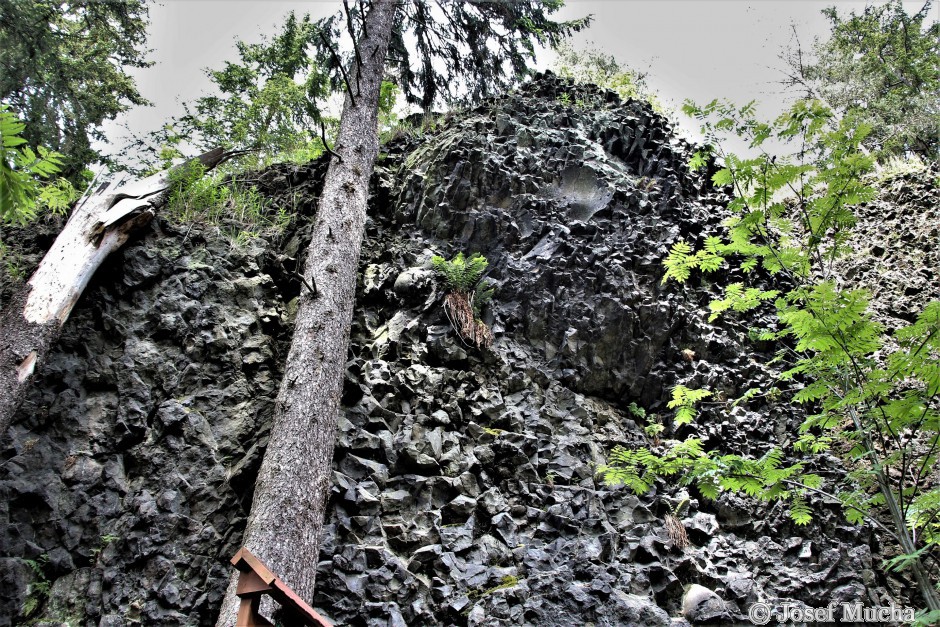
(872, 398)
(269, 99)
(882, 67)
(461, 52)
(64, 70)
(266, 102)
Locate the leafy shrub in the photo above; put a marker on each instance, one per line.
(599, 68)
(636, 410)
(872, 397)
(22, 192)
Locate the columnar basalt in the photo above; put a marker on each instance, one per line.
(464, 483)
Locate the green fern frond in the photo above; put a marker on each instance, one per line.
(684, 401)
(461, 274)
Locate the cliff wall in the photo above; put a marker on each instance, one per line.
(465, 488)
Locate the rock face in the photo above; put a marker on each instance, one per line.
(895, 247)
(465, 487)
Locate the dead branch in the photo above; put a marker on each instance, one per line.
(326, 146)
(352, 35)
(342, 69)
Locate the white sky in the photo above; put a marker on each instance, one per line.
(699, 49)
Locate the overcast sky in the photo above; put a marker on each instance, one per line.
(699, 49)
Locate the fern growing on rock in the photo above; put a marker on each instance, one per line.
(874, 396)
(467, 293)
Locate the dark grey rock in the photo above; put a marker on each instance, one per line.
(701, 605)
(463, 485)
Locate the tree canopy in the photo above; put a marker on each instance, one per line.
(464, 51)
(270, 98)
(602, 69)
(22, 170)
(65, 70)
(881, 66)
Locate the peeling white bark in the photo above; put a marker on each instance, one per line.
(106, 216)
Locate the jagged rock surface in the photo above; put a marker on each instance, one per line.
(128, 471)
(464, 482)
(895, 254)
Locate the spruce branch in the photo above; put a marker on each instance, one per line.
(352, 35)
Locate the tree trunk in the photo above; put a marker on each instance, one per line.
(286, 519)
(103, 220)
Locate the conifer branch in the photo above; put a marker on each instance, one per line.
(352, 35)
(362, 18)
(342, 69)
(311, 288)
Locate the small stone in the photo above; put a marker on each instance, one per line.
(806, 551)
(477, 615)
(701, 527)
(81, 469)
(462, 506)
(700, 605)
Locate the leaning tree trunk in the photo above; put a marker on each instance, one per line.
(286, 519)
(103, 220)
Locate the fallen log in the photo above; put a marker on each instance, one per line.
(103, 220)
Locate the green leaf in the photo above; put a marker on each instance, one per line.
(708, 489)
(722, 177)
(21, 171)
(800, 512)
(791, 219)
(461, 274)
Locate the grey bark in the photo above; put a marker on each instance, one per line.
(103, 220)
(285, 524)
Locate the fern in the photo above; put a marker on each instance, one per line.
(461, 274)
(874, 399)
(22, 169)
(463, 277)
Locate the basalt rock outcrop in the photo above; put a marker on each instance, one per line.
(465, 485)
(895, 253)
